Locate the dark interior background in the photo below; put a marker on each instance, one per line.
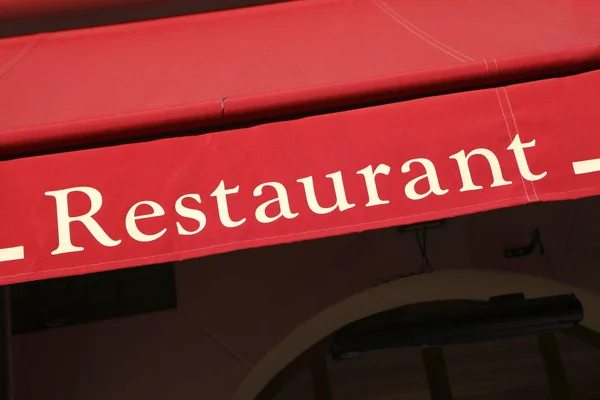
(30, 17)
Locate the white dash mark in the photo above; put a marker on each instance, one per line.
(586, 166)
(12, 253)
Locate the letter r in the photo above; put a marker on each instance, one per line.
(64, 219)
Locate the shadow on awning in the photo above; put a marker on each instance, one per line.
(25, 18)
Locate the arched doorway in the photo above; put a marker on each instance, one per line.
(445, 285)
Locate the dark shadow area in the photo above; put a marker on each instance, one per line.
(80, 299)
(189, 330)
(89, 14)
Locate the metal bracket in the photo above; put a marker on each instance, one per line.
(528, 249)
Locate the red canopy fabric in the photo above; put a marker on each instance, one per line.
(97, 84)
(520, 126)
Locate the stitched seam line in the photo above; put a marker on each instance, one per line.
(397, 18)
(510, 141)
(517, 131)
(21, 55)
(420, 33)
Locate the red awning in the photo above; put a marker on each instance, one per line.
(478, 105)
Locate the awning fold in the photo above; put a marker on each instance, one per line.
(134, 80)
